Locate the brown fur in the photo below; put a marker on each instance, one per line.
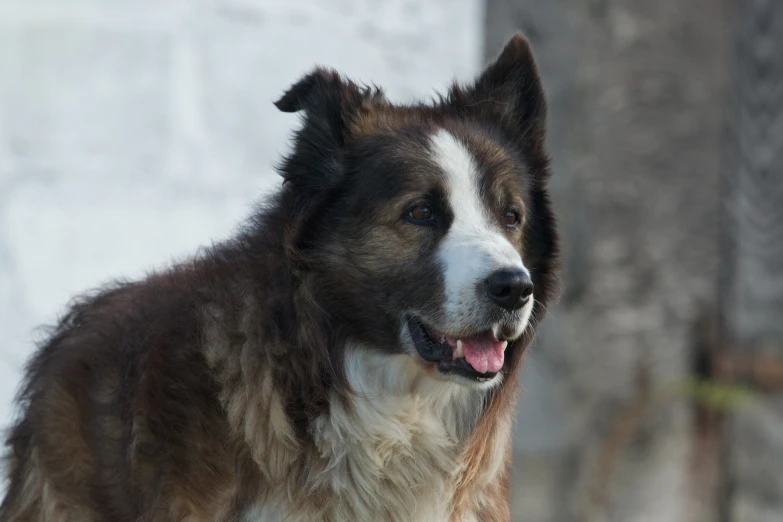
(192, 395)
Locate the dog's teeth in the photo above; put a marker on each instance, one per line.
(460, 353)
(505, 345)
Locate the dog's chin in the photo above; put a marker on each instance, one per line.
(433, 372)
(475, 360)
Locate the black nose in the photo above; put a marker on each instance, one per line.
(509, 288)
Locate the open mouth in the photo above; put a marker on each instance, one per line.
(478, 357)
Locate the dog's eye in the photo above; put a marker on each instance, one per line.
(511, 219)
(421, 214)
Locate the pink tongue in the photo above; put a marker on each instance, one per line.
(483, 353)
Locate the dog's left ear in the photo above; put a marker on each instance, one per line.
(510, 87)
(328, 102)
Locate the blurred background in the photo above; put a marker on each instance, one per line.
(133, 132)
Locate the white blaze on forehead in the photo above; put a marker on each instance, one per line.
(475, 245)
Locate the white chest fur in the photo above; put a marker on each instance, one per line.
(392, 452)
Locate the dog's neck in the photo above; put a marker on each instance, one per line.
(388, 382)
(396, 438)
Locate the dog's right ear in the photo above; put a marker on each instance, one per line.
(328, 103)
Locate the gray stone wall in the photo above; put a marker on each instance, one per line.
(636, 92)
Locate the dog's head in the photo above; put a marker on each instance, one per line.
(427, 228)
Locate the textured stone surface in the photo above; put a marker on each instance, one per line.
(752, 289)
(636, 91)
(756, 460)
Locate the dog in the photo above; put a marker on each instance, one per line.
(352, 354)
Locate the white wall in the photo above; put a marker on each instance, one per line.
(131, 132)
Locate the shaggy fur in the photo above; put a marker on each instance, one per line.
(271, 377)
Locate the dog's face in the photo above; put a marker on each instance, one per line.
(426, 228)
